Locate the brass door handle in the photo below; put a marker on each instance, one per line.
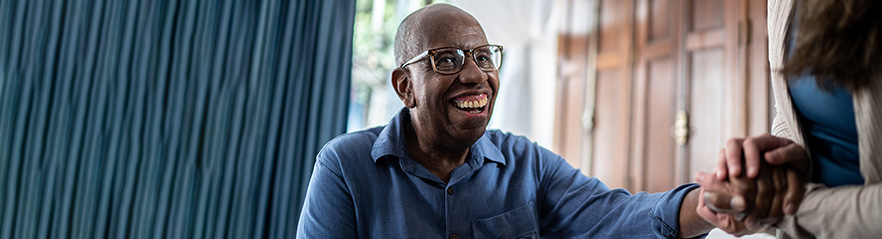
(681, 127)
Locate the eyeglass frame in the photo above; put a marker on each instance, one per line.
(431, 55)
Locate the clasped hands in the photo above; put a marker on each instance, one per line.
(756, 182)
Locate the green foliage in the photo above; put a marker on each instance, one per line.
(372, 59)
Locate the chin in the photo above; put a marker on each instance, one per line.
(465, 138)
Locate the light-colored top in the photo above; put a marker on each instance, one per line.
(839, 212)
(366, 186)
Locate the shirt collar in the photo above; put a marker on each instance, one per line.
(391, 141)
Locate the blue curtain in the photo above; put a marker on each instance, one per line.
(166, 118)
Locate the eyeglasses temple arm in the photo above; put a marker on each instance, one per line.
(415, 59)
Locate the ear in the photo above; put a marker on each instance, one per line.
(403, 85)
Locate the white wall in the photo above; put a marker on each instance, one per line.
(527, 29)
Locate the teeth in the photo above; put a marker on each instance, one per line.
(472, 104)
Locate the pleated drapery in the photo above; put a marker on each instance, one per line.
(166, 118)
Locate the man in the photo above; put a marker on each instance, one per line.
(435, 172)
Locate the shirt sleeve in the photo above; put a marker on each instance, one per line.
(855, 209)
(328, 210)
(576, 206)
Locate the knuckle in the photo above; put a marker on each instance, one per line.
(749, 140)
(764, 190)
(732, 141)
(774, 214)
(742, 186)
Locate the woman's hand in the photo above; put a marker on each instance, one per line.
(746, 153)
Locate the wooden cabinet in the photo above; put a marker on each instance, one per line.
(665, 83)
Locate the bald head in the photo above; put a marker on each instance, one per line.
(437, 23)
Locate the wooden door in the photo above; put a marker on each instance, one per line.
(726, 85)
(655, 94)
(667, 68)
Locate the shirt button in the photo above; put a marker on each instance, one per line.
(450, 191)
(454, 236)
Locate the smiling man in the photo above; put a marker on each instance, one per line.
(435, 172)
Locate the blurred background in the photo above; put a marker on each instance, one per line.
(640, 93)
(202, 119)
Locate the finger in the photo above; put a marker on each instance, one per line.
(733, 156)
(722, 202)
(719, 220)
(699, 176)
(791, 154)
(753, 146)
(776, 208)
(713, 193)
(765, 193)
(747, 189)
(728, 224)
(794, 194)
(703, 210)
(721, 170)
(719, 197)
(751, 156)
(766, 142)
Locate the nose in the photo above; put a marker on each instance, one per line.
(471, 73)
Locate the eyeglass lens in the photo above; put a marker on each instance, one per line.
(450, 60)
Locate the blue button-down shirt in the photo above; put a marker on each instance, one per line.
(365, 185)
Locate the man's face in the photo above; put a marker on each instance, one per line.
(456, 106)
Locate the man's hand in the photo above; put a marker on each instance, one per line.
(724, 221)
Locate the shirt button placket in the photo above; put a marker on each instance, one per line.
(447, 199)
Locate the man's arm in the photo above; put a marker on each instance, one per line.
(328, 210)
(576, 206)
(691, 224)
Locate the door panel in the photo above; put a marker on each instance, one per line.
(653, 150)
(706, 14)
(661, 105)
(711, 63)
(614, 25)
(705, 107)
(611, 127)
(612, 114)
(660, 19)
(573, 50)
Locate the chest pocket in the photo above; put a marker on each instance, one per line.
(518, 223)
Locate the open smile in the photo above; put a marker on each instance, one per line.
(472, 104)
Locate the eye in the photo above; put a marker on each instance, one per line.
(482, 55)
(447, 61)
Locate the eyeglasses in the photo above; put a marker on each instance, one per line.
(449, 60)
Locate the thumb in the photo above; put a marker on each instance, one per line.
(722, 202)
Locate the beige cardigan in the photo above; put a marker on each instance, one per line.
(840, 212)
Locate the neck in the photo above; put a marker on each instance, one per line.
(440, 159)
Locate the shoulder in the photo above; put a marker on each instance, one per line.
(355, 146)
(507, 139)
(517, 146)
(364, 137)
